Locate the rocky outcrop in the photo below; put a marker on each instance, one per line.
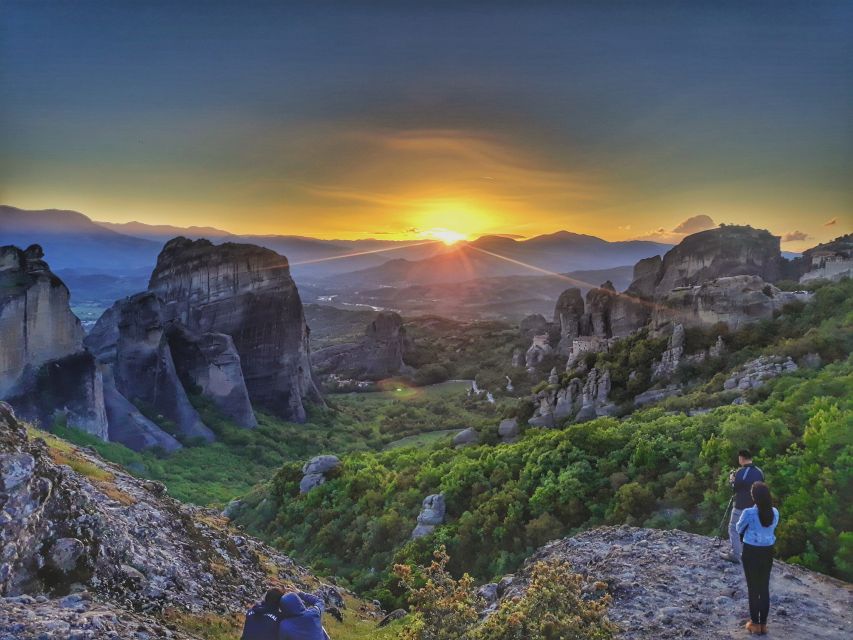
(316, 471)
(569, 316)
(726, 251)
(245, 292)
(539, 348)
(594, 397)
(754, 373)
(735, 301)
(671, 357)
(534, 324)
(210, 364)
(379, 354)
(432, 514)
(645, 279)
(508, 430)
(665, 582)
(466, 437)
(36, 323)
(108, 555)
(68, 391)
(44, 370)
(599, 302)
(144, 370)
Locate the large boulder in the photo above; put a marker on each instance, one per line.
(316, 470)
(432, 514)
(246, 292)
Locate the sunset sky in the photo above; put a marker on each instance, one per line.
(405, 119)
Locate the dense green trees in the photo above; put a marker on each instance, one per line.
(653, 468)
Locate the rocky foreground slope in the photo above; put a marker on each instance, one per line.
(91, 552)
(672, 584)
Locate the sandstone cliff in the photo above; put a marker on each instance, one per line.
(36, 323)
(245, 292)
(44, 369)
(108, 555)
(378, 355)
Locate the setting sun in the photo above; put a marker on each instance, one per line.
(447, 236)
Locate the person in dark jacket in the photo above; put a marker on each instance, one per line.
(262, 619)
(741, 483)
(301, 617)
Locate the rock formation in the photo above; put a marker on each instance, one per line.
(734, 300)
(665, 582)
(36, 323)
(44, 370)
(108, 555)
(828, 261)
(245, 292)
(314, 471)
(508, 430)
(569, 316)
(379, 354)
(432, 514)
(754, 373)
(726, 251)
(210, 364)
(466, 437)
(594, 400)
(534, 324)
(539, 348)
(671, 357)
(142, 369)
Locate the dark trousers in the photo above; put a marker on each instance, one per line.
(757, 563)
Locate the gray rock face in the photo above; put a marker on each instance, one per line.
(663, 582)
(735, 300)
(540, 347)
(44, 371)
(144, 370)
(671, 358)
(594, 401)
(754, 373)
(645, 279)
(432, 514)
(599, 302)
(656, 395)
(569, 315)
(246, 292)
(103, 558)
(210, 363)
(128, 426)
(69, 390)
(36, 323)
(534, 324)
(315, 471)
(379, 354)
(508, 430)
(727, 251)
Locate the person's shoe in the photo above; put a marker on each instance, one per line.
(753, 628)
(763, 629)
(730, 557)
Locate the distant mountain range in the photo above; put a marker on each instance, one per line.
(494, 256)
(71, 240)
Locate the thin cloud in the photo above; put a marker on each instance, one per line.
(695, 224)
(830, 222)
(795, 236)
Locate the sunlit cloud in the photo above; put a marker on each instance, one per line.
(795, 236)
(691, 225)
(830, 222)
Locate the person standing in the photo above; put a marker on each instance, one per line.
(758, 526)
(741, 483)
